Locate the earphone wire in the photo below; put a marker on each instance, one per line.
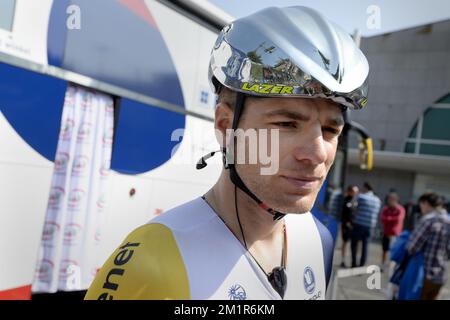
(283, 261)
(239, 220)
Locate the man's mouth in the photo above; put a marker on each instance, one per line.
(303, 182)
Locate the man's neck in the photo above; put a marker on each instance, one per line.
(428, 211)
(257, 224)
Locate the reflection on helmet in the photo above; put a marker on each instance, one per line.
(290, 52)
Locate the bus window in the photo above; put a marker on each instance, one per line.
(7, 14)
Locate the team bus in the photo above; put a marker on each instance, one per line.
(105, 109)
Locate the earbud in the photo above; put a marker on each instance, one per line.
(202, 162)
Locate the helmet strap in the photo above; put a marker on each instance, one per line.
(234, 176)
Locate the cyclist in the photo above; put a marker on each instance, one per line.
(252, 236)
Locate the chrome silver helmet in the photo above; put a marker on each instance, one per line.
(290, 52)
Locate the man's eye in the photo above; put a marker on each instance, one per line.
(286, 124)
(331, 130)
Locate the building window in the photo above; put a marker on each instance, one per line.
(430, 135)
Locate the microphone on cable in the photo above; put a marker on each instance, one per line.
(202, 162)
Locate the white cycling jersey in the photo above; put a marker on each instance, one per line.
(189, 253)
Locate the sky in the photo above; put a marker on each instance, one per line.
(370, 17)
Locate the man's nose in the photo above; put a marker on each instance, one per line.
(311, 149)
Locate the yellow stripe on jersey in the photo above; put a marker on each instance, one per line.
(147, 265)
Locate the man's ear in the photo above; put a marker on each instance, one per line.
(223, 120)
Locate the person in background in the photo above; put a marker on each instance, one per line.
(411, 211)
(386, 198)
(335, 201)
(441, 205)
(392, 217)
(348, 208)
(432, 238)
(364, 221)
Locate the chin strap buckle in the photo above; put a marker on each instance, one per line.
(276, 214)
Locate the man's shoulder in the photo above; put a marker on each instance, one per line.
(369, 198)
(325, 236)
(327, 247)
(426, 221)
(147, 265)
(428, 218)
(437, 217)
(185, 217)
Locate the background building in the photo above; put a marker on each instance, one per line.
(408, 112)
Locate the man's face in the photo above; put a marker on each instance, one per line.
(308, 138)
(392, 200)
(424, 207)
(354, 191)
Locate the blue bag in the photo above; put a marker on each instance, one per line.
(398, 248)
(411, 282)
